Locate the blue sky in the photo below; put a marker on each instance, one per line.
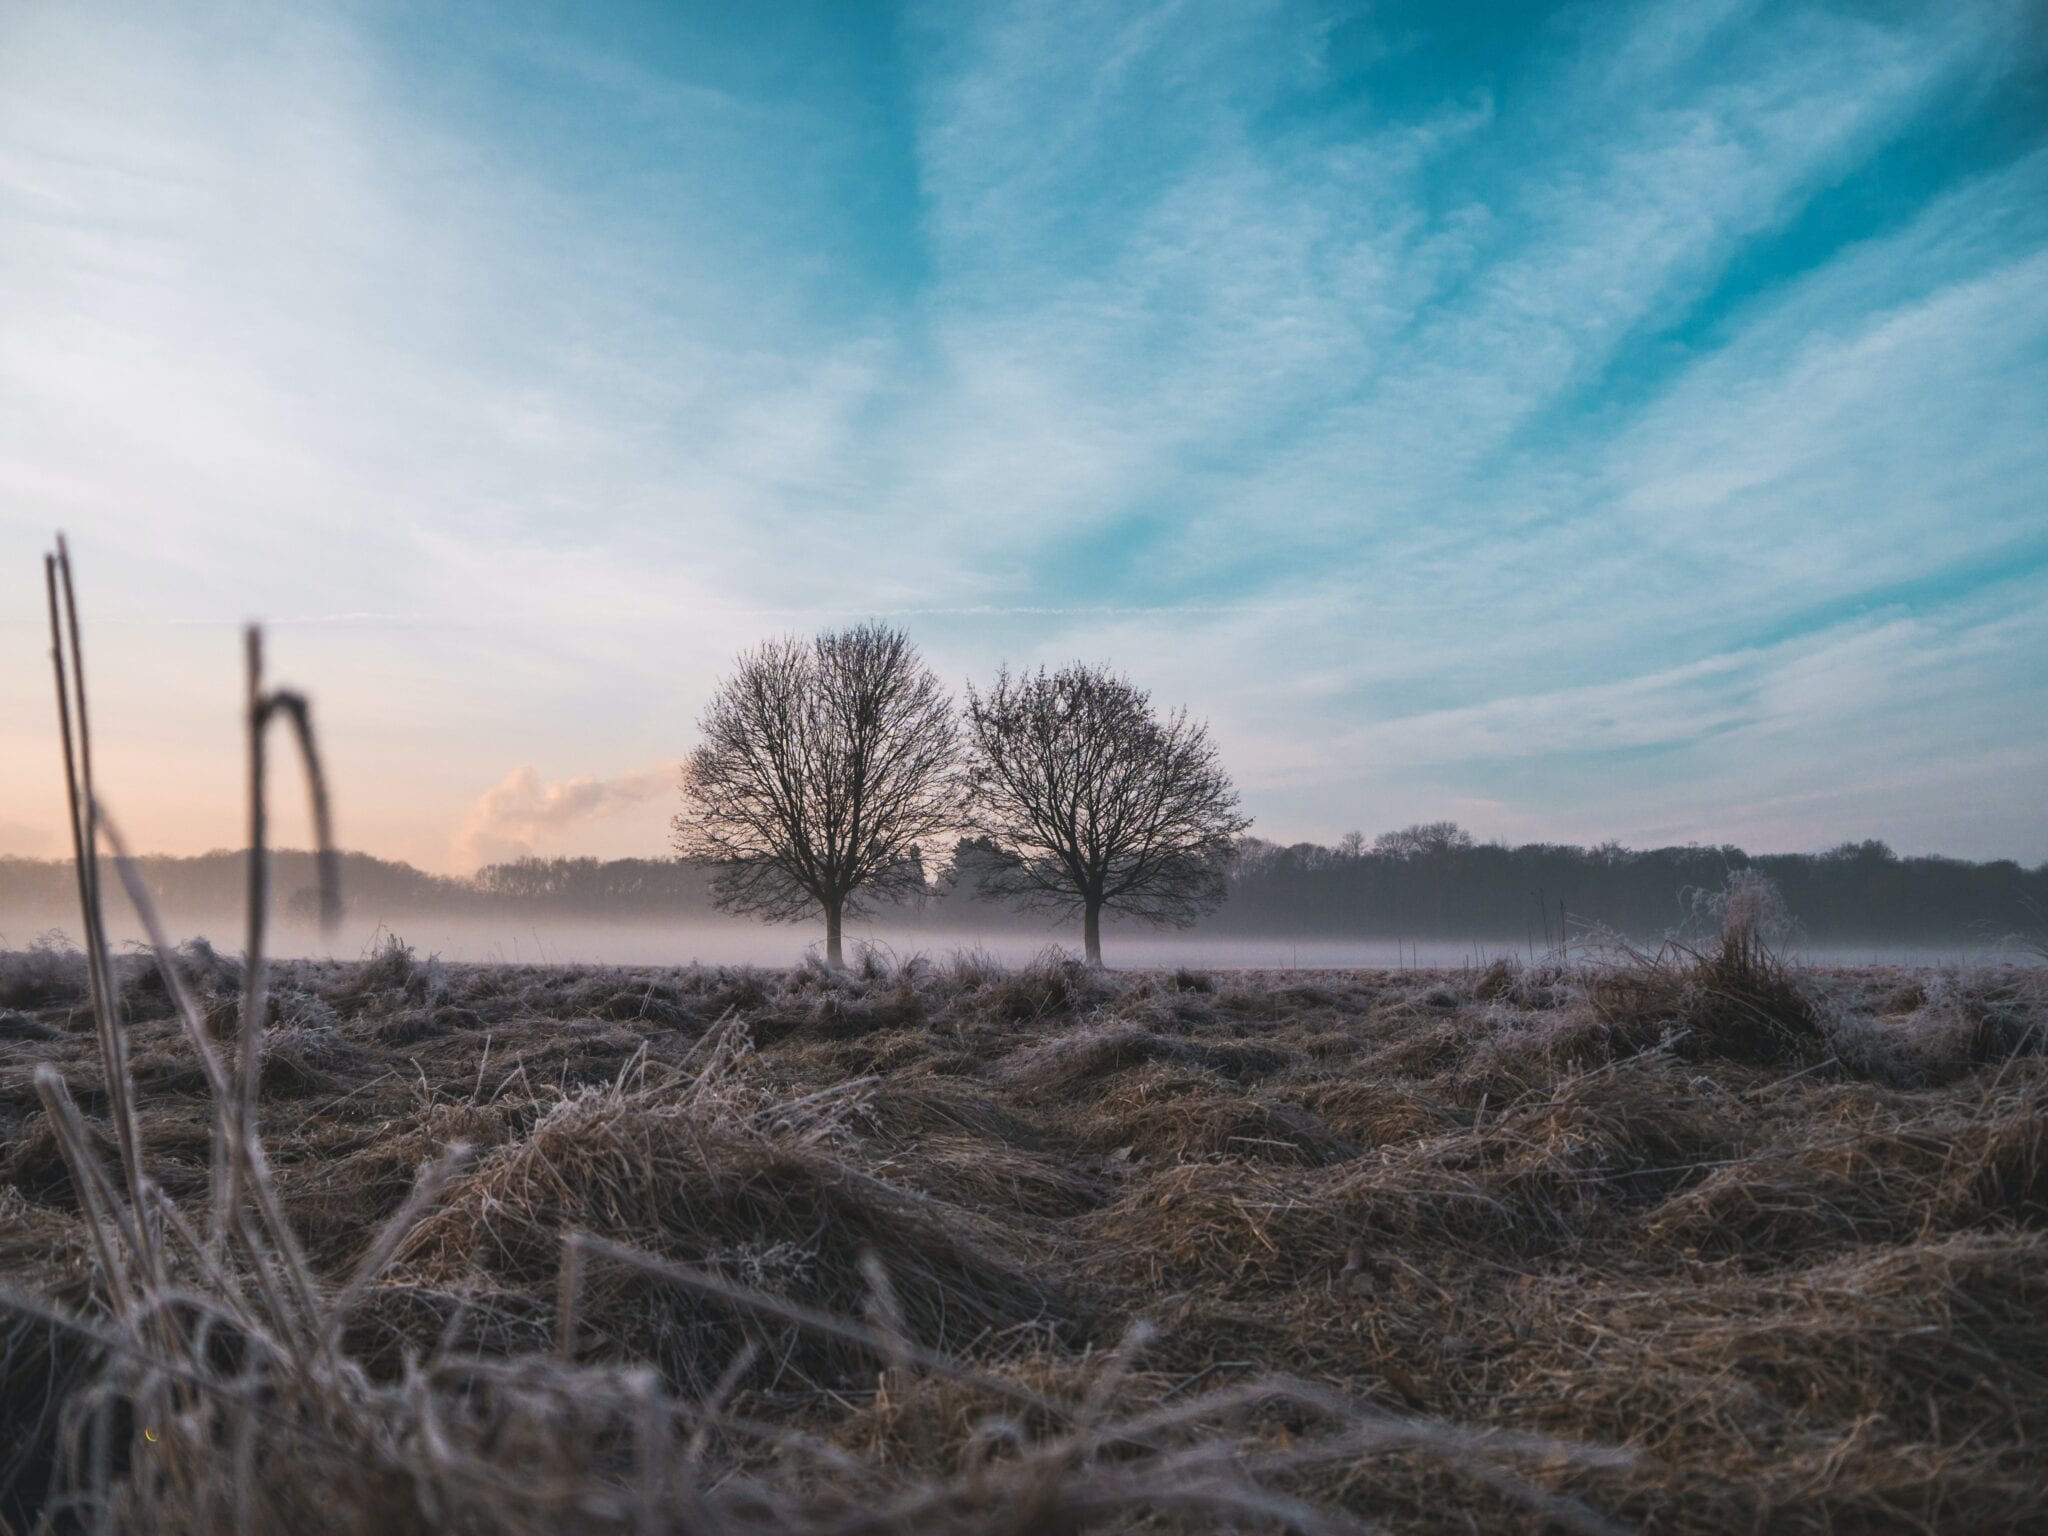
(1592, 421)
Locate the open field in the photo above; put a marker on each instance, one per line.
(1781, 1237)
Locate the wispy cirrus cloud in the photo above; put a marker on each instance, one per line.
(1502, 424)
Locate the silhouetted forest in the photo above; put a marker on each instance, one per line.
(1436, 882)
(1425, 882)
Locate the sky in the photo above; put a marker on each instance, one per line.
(1583, 422)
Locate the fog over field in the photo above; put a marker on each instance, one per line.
(558, 940)
(1303, 907)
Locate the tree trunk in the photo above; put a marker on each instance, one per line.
(834, 956)
(1091, 932)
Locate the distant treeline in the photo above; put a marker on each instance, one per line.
(1436, 882)
(1432, 882)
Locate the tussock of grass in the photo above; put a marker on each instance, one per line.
(1176, 1116)
(1731, 997)
(715, 1170)
(49, 971)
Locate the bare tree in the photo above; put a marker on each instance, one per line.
(823, 764)
(1098, 802)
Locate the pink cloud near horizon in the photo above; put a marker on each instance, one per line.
(520, 814)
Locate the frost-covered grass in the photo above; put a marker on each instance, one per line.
(1779, 1236)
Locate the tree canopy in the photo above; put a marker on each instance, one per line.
(820, 767)
(1096, 802)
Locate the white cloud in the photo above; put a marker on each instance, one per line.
(521, 815)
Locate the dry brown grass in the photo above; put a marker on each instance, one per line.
(1802, 1294)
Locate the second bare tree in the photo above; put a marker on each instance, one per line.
(1097, 802)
